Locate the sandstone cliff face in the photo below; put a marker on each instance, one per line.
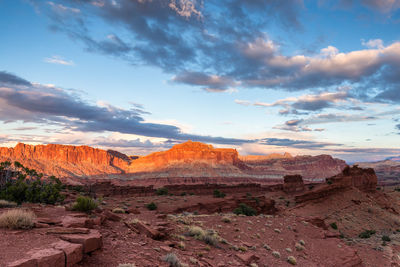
(309, 167)
(190, 154)
(63, 160)
(351, 177)
(388, 171)
(187, 160)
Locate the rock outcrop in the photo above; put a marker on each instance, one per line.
(185, 154)
(388, 171)
(186, 160)
(64, 160)
(293, 183)
(351, 177)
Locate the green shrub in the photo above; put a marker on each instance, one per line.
(219, 194)
(162, 191)
(84, 204)
(329, 182)
(244, 209)
(26, 185)
(386, 238)
(367, 234)
(334, 226)
(151, 206)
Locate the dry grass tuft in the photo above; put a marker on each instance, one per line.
(17, 219)
(7, 204)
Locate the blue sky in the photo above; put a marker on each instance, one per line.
(305, 77)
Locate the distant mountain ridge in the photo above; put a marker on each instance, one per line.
(189, 159)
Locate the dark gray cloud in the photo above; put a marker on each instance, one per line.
(302, 125)
(9, 78)
(52, 105)
(223, 44)
(303, 144)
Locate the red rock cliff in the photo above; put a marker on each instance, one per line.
(63, 160)
(185, 154)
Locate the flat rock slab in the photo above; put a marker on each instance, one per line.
(70, 221)
(49, 257)
(73, 252)
(91, 241)
(62, 230)
(248, 257)
(50, 221)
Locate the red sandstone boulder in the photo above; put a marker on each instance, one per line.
(49, 257)
(247, 258)
(90, 242)
(73, 252)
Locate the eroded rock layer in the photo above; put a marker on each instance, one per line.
(187, 160)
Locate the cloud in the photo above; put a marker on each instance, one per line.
(58, 60)
(8, 78)
(210, 83)
(382, 6)
(52, 105)
(375, 43)
(302, 125)
(308, 102)
(303, 144)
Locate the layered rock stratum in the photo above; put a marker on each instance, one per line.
(388, 171)
(187, 160)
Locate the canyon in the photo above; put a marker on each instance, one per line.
(186, 160)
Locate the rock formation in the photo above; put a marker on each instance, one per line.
(351, 177)
(63, 160)
(293, 183)
(186, 160)
(388, 171)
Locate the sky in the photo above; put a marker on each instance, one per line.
(306, 77)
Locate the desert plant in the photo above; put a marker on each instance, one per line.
(118, 210)
(84, 204)
(34, 189)
(334, 225)
(7, 204)
(367, 234)
(386, 238)
(245, 210)
(151, 206)
(173, 260)
(219, 194)
(17, 219)
(226, 219)
(209, 237)
(162, 191)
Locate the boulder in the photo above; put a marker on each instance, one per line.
(49, 257)
(293, 183)
(73, 252)
(248, 257)
(90, 242)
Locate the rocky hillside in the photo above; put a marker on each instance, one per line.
(388, 171)
(189, 160)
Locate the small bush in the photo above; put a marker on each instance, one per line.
(118, 210)
(329, 182)
(151, 206)
(173, 260)
(397, 189)
(209, 237)
(367, 234)
(386, 238)
(84, 204)
(334, 226)
(226, 219)
(163, 191)
(17, 219)
(7, 204)
(219, 194)
(244, 209)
